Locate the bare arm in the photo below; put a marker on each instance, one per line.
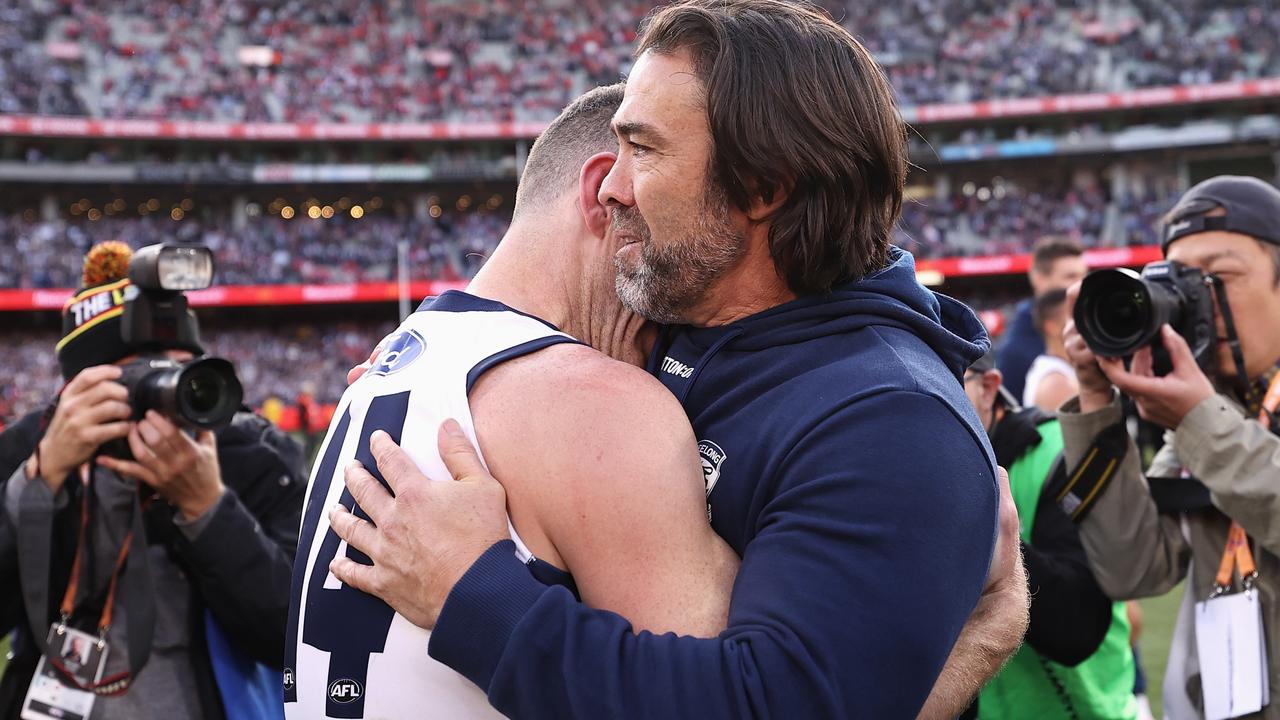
(603, 479)
(994, 632)
(1054, 390)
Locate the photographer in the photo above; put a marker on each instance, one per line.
(1218, 473)
(1076, 660)
(179, 559)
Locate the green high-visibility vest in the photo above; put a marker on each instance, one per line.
(1032, 686)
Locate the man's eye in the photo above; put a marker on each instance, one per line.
(637, 147)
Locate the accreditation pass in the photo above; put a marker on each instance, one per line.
(49, 698)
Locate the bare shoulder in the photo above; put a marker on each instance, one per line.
(569, 432)
(570, 384)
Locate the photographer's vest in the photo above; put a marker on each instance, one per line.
(1031, 686)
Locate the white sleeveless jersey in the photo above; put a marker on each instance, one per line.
(1042, 367)
(348, 654)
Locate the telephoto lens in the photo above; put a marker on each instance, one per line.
(1119, 311)
(203, 393)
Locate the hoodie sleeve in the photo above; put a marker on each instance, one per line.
(871, 550)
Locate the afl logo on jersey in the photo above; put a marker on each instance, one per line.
(712, 456)
(345, 691)
(402, 349)
(288, 678)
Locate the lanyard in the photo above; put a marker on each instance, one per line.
(115, 684)
(1236, 555)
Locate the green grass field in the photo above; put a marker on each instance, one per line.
(1158, 617)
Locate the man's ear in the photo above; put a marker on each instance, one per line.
(763, 208)
(594, 213)
(991, 380)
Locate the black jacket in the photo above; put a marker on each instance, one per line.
(239, 567)
(1069, 613)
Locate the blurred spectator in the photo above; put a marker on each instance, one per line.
(270, 361)
(268, 250)
(411, 60)
(1008, 217)
(271, 250)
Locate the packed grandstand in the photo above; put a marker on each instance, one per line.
(319, 148)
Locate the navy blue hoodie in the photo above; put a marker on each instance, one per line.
(846, 466)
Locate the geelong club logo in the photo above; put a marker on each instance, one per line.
(402, 349)
(345, 691)
(712, 456)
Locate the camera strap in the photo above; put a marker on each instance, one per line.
(1233, 342)
(1236, 555)
(1087, 481)
(140, 609)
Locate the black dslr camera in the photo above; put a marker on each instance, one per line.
(200, 393)
(1119, 311)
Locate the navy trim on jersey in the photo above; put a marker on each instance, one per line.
(310, 522)
(459, 301)
(512, 353)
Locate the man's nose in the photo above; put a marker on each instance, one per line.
(616, 189)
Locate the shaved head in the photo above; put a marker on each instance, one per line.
(580, 131)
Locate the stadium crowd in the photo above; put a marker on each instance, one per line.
(272, 362)
(351, 61)
(990, 220)
(267, 250)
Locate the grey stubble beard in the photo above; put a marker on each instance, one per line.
(668, 281)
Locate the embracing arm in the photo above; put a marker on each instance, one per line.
(848, 601)
(994, 631)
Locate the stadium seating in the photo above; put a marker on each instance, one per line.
(267, 250)
(353, 61)
(270, 361)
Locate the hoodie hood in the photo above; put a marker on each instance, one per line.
(891, 297)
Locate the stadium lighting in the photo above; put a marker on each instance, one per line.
(286, 212)
(313, 212)
(326, 212)
(153, 204)
(357, 212)
(186, 204)
(177, 213)
(95, 214)
(434, 211)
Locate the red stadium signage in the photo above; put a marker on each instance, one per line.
(942, 268)
(26, 125)
(253, 295)
(256, 295)
(1094, 102)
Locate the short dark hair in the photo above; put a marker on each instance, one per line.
(1050, 249)
(1046, 305)
(581, 130)
(796, 105)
